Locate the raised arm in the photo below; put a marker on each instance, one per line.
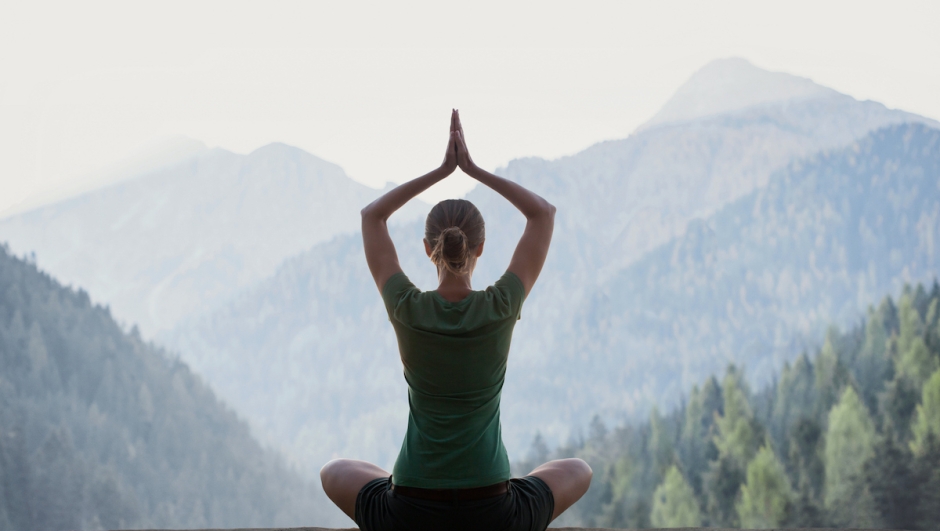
(530, 253)
(379, 248)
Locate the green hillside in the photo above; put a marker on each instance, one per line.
(847, 437)
(101, 430)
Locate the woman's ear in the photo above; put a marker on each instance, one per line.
(479, 249)
(427, 247)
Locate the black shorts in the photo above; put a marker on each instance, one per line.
(527, 506)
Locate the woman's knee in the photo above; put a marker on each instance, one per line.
(582, 469)
(579, 471)
(568, 479)
(347, 474)
(571, 466)
(572, 475)
(331, 471)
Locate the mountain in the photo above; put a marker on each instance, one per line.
(312, 344)
(734, 84)
(829, 235)
(177, 241)
(99, 429)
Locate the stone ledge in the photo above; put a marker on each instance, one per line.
(550, 528)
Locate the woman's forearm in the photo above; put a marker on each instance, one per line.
(383, 207)
(529, 203)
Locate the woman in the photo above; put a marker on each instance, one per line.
(453, 471)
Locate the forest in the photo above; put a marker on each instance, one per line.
(846, 437)
(101, 430)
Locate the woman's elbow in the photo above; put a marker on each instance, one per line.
(549, 210)
(542, 214)
(368, 211)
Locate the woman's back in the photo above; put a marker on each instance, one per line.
(454, 356)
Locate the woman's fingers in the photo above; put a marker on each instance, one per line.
(450, 155)
(453, 120)
(461, 153)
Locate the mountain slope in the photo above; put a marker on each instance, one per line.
(828, 236)
(176, 242)
(318, 323)
(101, 430)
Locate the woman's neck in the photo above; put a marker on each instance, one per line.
(453, 287)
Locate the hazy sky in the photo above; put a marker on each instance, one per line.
(369, 85)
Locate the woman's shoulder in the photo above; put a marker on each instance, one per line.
(507, 294)
(397, 289)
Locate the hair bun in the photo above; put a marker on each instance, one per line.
(452, 249)
(454, 228)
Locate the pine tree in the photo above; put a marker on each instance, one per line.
(872, 368)
(736, 439)
(892, 484)
(766, 496)
(897, 405)
(661, 445)
(696, 447)
(621, 485)
(927, 472)
(806, 463)
(849, 444)
(932, 326)
(927, 415)
(674, 503)
(916, 364)
(914, 360)
(831, 375)
(920, 299)
(794, 399)
(722, 483)
(806, 512)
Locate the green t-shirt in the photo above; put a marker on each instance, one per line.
(454, 354)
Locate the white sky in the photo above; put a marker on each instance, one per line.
(369, 85)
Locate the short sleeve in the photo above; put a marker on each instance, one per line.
(397, 289)
(510, 289)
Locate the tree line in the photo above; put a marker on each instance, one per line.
(99, 429)
(847, 437)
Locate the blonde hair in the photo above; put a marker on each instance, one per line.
(454, 229)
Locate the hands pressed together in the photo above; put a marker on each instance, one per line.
(457, 154)
(531, 250)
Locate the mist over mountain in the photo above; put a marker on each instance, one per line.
(175, 242)
(100, 430)
(149, 157)
(312, 343)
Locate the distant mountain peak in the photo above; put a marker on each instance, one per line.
(275, 147)
(731, 84)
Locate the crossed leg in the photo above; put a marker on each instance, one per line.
(568, 479)
(342, 479)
